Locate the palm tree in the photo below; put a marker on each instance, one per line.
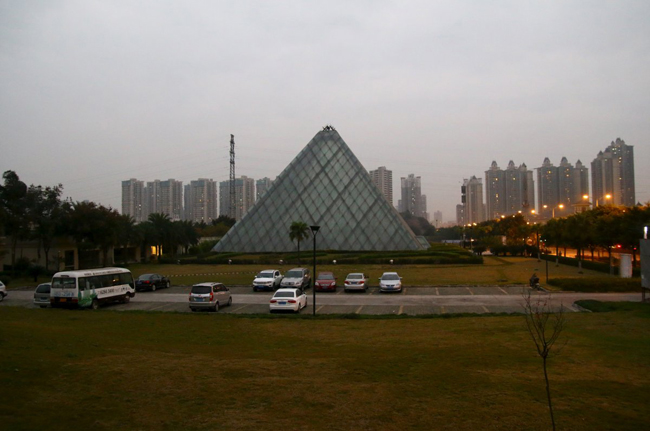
(297, 232)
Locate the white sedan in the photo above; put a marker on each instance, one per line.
(288, 299)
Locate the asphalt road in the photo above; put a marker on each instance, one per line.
(412, 301)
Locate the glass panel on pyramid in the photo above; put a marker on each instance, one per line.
(325, 185)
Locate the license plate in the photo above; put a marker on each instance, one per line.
(199, 299)
(282, 302)
(64, 299)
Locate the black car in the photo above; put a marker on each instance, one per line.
(151, 282)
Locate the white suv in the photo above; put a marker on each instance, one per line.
(3, 291)
(209, 296)
(269, 279)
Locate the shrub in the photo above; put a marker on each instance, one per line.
(597, 284)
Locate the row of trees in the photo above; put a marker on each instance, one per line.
(39, 214)
(602, 228)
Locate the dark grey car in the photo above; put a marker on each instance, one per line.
(42, 295)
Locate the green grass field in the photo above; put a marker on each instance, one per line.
(495, 271)
(107, 370)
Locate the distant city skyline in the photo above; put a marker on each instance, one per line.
(94, 93)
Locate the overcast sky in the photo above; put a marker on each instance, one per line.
(96, 92)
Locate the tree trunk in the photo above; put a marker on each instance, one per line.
(298, 252)
(548, 395)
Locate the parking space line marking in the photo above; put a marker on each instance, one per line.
(502, 290)
(339, 292)
(358, 310)
(442, 310)
(404, 290)
(469, 290)
(401, 310)
(319, 308)
(485, 309)
(157, 308)
(437, 292)
(237, 309)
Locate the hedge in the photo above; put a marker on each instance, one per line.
(597, 284)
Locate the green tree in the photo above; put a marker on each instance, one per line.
(298, 231)
(45, 213)
(93, 226)
(13, 211)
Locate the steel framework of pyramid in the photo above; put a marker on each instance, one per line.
(325, 185)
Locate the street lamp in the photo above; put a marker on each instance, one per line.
(606, 198)
(314, 232)
(561, 206)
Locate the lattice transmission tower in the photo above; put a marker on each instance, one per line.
(233, 211)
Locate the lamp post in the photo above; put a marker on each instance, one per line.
(314, 232)
(606, 198)
(561, 206)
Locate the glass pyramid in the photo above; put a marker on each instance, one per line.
(324, 185)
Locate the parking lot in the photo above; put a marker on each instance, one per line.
(412, 301)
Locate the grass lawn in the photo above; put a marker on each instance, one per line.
(107, 370)
(495, 271)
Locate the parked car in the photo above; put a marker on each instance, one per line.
(297, 277)
(325, 281)
(3, 291)
(288, 299)
(151, 282)
(356, 281)
(269, 279)
(209, 296)
(42, 295)
(390, 282)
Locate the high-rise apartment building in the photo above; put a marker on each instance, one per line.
(133, 199)
(472, 199)
(412, 199)
(201, 201)
(520, 189)
(495, 193)
(612, 174)
(509, 191)
(164, 197)
(383, 179)
(244, 196)
(437, 219)
(261, 186)
(460, 215)
(561, 185)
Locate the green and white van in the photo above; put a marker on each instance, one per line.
(91, 287)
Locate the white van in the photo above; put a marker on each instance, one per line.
(91, 287)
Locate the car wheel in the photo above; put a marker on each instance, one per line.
(216, 306)
(126, 299)
(153, 288)
(169, 284)
(43, 306)
(193, 309)
(229, 301)
(95, 304)
(2, 297)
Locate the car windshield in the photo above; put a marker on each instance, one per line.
(390, 277)
(283, 295)
(43, 288)
(64, 283)
(265, 275)
(201, 289)
(355, 277)
(325, 277)
(294, 274)
(145, 277)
